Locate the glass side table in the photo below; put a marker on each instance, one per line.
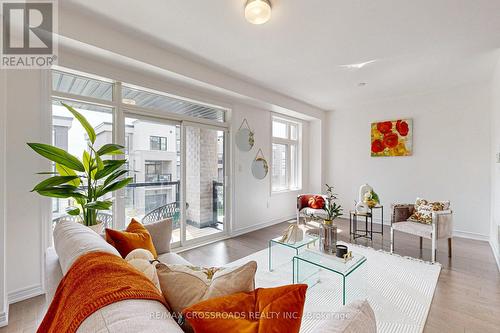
(307, 241)
(308, 264)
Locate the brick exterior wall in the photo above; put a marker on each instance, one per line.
(201, 171)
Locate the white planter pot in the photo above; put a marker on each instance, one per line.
(98, 228)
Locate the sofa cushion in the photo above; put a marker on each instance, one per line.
(355, 317)
(136, 236)
(161, 232)
(137, 316)
(72, 240)
(184, 285)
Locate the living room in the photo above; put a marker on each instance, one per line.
(227, 121)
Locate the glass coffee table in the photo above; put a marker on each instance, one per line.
(290, 249)
(308, 264)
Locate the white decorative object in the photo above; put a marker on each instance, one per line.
(293, 234)
(361, 207)
(143, 261)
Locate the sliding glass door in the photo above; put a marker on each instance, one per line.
(179, 173)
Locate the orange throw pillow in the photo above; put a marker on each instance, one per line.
(316, 202)
(262, 310)
(134, 237)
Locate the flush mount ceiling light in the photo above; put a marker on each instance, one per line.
(258, 11)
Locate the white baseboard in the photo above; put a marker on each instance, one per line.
(234, 233)
(471, 235)
(4, 319)
(25, 293)
(261, 225)
(495, 253)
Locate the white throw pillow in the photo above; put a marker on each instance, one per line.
(72, 240)
(144, 262)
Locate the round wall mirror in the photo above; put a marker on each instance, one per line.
(260, 167)
(244, 139)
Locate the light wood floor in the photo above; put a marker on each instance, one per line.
(467, 297)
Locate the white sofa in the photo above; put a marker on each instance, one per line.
(71, 240)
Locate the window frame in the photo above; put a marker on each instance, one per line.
(293, 180)
(162, 143)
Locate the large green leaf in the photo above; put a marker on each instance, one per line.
(53, 181)
(86, 125)
(57, 155)
(113, 176)
(74, 211)
(63, 191)
(100, 164)
(87, 161)
(114, 186)
(110, 149)
(99, 205)
(109, 167)
(64, 171)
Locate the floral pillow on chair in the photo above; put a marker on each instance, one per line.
(424, 209)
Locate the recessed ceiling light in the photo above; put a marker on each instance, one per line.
(359, 65)
(258, 11)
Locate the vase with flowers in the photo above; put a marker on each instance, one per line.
(328, 231)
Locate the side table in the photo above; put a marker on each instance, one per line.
(367, 233)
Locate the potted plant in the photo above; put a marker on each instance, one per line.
(332, 209)
(85, 180)
(328, 231)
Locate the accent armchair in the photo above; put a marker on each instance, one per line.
(441, 226)
(303, 209)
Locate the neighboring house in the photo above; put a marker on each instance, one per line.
(153, 163)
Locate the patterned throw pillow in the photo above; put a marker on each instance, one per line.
(424, 209)
(184, 285)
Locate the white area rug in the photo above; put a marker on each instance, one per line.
(399, 289)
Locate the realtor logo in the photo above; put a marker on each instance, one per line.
(28, 34)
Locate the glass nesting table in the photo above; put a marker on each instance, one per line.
(288, 250)
(308, 264)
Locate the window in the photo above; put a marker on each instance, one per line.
(286, 155)
(157, 171)
(153, 146)
(158, 143)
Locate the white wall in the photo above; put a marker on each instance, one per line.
(3, 137)
(450, 159)
(24, 232)
(495, 167)
(253, 204)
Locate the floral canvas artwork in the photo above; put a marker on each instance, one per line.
(392, 138)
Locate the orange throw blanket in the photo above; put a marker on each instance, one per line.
(95, 280)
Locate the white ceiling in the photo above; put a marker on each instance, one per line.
(420, 45)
